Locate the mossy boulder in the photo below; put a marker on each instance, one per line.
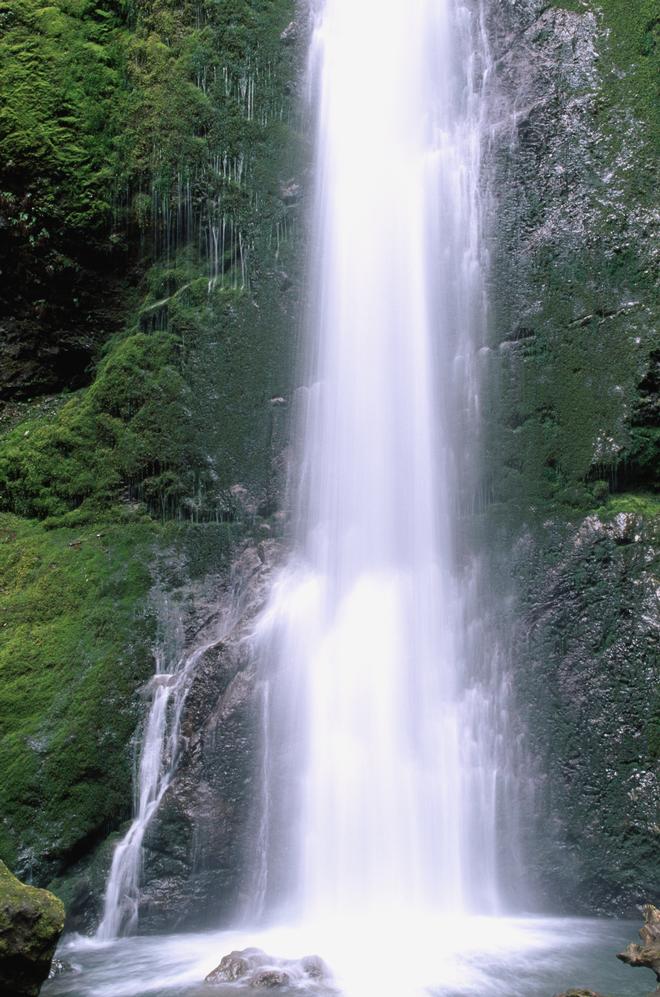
(31, 922)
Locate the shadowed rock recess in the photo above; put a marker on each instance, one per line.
(153, 182)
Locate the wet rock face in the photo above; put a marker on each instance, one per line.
(38, 355)
(31, 922)
(568, 381)
(586, 654)
(197, 855)
(569, 172)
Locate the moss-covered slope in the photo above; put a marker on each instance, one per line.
(148, 213)
(74, 644)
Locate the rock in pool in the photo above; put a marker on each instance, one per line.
(269, 979)
(265, 972)
(232, 967)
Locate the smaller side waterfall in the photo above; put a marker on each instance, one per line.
(158, 762)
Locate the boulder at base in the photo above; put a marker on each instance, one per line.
(259, 971)
(31, 922)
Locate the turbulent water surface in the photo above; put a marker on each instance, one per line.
(480, 958)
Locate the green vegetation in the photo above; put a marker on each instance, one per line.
(153, 434)
(102, 103)
(62, 80)
(123, 432)
(176, 118)
(128, 132)
(646, 506)
(74, 645)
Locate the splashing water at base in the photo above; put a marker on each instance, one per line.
(436, 957)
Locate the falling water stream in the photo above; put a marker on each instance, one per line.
(382, 781)
(365, 623)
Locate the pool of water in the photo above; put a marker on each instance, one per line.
(477, 957)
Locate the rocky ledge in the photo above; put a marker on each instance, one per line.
(31, 922)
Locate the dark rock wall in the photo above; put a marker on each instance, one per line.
(571, 459)
(201, 850)
(586, 665)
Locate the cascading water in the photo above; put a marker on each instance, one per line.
(158, 759)
(364, 633)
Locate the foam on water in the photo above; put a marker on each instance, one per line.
(426, 956)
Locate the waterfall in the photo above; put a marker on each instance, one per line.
(159, 755)
(379, 732)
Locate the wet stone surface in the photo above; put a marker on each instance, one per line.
(256, 970)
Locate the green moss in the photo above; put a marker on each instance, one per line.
(31, 922)
(74, 645)
(128, 132)
(124, 432)
(647, 505)
(49, 911)
(178, 411)
(63, 87)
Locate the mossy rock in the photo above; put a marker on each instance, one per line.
(31, 922)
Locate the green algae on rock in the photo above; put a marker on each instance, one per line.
(31, 922)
